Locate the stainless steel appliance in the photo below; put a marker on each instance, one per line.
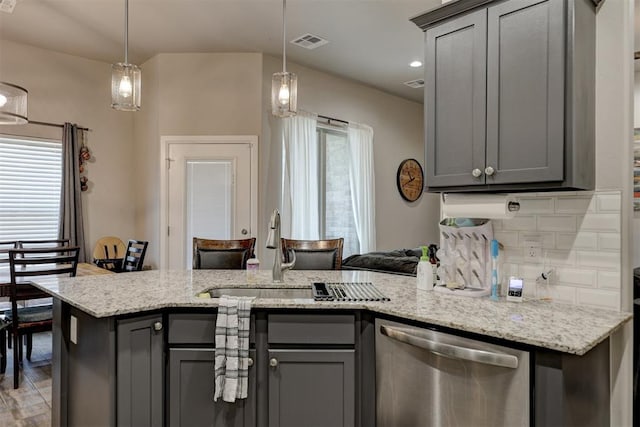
(429, 378)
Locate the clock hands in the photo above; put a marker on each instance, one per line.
(411, 178)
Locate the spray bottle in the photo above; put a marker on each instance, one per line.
(494, 269)
(425, 271)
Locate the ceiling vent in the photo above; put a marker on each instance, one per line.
(416, 84)
(307, 41)
(7, 5)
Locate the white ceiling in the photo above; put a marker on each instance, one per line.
(371, 41)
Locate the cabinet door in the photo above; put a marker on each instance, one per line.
(525, 91)
(455, 101)
(191, 387)
(140, 372)
(311, 388)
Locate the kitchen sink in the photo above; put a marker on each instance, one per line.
(275, 292)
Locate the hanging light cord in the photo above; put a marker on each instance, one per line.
(126, 31)
(284, 36)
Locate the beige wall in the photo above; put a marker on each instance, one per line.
(189, 94)
(64, 88)
(614, 123)
(398, 134)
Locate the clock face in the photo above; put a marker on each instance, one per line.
(410, 180)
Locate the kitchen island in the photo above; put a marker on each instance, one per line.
(100, 305)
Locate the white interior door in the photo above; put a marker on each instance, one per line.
(209, 195)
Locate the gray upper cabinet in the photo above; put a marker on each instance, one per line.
(455, 101)
(509, 95)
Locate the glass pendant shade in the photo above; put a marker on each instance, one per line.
(125, 87)
(13, 104)
(284, 94)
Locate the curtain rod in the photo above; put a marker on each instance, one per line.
(331, 119)
(56, 125)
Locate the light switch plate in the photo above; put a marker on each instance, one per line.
(73, 330)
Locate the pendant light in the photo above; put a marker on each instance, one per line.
(13, 104)
(284, 85)
(125, 77)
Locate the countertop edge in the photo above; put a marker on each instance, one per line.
(379, 308)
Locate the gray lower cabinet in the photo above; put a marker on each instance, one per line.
(311, 387)
(191, 388)
(140, 371)
(509, 95)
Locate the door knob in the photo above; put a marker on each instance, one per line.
(489, 170)
(244, 231)
(273, 362)
(157, 326)
(476, 173)
(250, 362)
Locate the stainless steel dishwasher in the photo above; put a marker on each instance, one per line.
(429, 378)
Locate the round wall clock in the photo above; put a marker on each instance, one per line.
(410, 180)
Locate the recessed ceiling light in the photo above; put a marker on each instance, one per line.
(415, 64)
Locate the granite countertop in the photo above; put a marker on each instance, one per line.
(561, 327)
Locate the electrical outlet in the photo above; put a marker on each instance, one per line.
(533, 249)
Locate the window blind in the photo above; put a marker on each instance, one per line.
(30, 180)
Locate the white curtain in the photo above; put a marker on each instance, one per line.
(300, 198)
(361, 177)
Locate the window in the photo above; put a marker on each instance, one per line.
(336, 209)
(328, 182)
(30, 180)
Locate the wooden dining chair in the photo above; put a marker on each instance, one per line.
(314, 254)
(24, 265)
(5, 245)
(109, 253)
(134, 255)
(222, 254)
(42, 243)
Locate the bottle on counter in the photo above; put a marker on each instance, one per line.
(253, 265)
(433, 260)
(425, 271)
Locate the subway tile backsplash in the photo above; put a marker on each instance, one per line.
(580, 235)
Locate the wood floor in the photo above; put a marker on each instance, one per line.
(30, 404)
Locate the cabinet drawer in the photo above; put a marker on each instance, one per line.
(311, 329)
(197, 328)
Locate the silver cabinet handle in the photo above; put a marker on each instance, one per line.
(451, 351)
(273, 362)
(489, 170)
(477, 173)
(250, 362)
(157, 326)
(244, 231)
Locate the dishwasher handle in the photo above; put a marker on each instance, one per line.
(452, 351)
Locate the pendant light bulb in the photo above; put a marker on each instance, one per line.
(3, 100)
(125, 88)
(125, 78)
(284, 85)
(283, 94)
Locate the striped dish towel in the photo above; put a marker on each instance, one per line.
(232, 348)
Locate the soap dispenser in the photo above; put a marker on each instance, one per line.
(425, 271)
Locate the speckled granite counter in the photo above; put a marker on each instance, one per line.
(561, 327)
